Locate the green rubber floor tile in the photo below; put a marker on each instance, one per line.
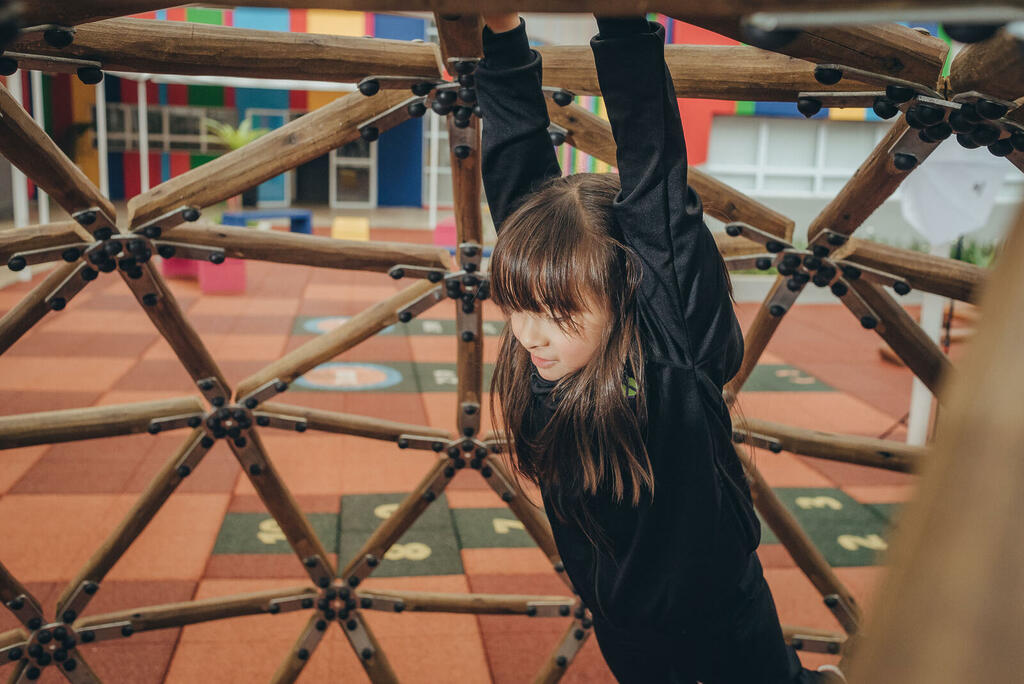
(847, 533)
(767, 536)
(781, 378)
(442, 377)
(428, 547)
(489, 528)
(888, 511)
(260, 533)
(316, 325)
(360, 376)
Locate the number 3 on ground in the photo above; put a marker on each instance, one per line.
(504, 525)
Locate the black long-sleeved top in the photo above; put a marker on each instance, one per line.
(674, 555)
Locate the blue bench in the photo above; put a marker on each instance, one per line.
(301, 219)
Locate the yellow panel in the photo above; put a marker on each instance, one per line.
(336, 22)
(83, 98)
(317, 98)
(846, 114)
(350, 228)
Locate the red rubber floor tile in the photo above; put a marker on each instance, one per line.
(17, 462)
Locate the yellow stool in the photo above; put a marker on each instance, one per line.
(351, 228)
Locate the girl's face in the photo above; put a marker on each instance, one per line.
(555, 351)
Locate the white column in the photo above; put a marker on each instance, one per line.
(40, 116)
(19, 185)
(143, 137)
(101, 137)
(920, 397)
(435, 127)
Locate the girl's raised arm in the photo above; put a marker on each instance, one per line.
(660, 215)
(517, 154)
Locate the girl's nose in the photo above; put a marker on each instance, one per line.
(530, 333)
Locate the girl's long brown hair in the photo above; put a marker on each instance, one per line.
(554, 254)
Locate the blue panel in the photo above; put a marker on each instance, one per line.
(262, 18)
(398, 28)
(112, 87)
(161, 14)
(783, 109)
(258, 97)
(165, 167)
(400, 165)
(115, 174)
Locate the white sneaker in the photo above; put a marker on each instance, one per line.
(837, 674)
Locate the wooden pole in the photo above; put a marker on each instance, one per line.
(29, 238)
(459, 35)
(350, 424)
(755, 340)
(330, 344)
(28, 147)
(994, 67)
(798, 544)
(172, 47)
(131, 526)
(71, 425)
(921, 354)
(11, 588)
(877, 453)
(284, 148)
(947, 277)
(952, 604)
(888, 49)
(32, 307)
(593, 135)
(480, 604)
(308, 250)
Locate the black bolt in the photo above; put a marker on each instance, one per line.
(127, 631)
(939, 131)
(453, 452)
(990, 110)
(884, 108)
(562, 98)
(812, 262)
(563, 610)
(307, 603)
(850, 272)
(561, 661)
(827, 75)
(1001, 148)
(836, 239)
(321, 625)
(34, 623)
(302, 654)
(966, 141)
(579, 634)
(280, 386)
(486, 471)
(44, 659)
(154, 428)
(475, 464)
(461, 151)
(868, 322)
(70, 254)
(300, 427)
(446, 97)
(904, 161)
(58, 37)
(468, 336)
(183, 470)
(107, 265)
(166, 251)
(820, 279)
(465, 67)
(91, 588)
(372, 561)
(460, 464)
(899, 93)
(531, 610)
(959, 123)
(16, 263)
(776, 310)
(399, 606)
(808, 106)
(798, 644)
(366, 602)
(913, 120)
(467, 445)
(216, 258)
(87, 218)
(985, 134)
(152, 232)
(733, 230)
(901, 288)
(32, 673)
(8, 66)
(507, 496)
(89, 274)
(329, 614)
(369, 87)
(429, 495)
(217, 401)
(344, 593)
(440, 108)
(191, 214)
(14, 654)
(87, 636)
(35, 650)
(255, 469)
(149, 299)
(477, 111)
(58, 303)
(793, 284)
(559, 567)
(240, 442)
(437, 446)
(323, 582)
(353, 581)
(127, 262)
(587, 623)
(930, 115)
(467, 95)
(831, 601)
(206, 442)
(557, 138)
(366, 653)
(1017, 140)
(775, 447)
(435, 276)
(405, 316)
(369, 133)
(820, 251)
(421, 89)
(774, 246)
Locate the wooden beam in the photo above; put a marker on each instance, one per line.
(12, 636)
(308, 250)
(459, 35)
(11, 588)
(721, 72)
(755, 339)
(478, 604)
(994, 67)
(70, 425)
(798, 544)
(28, 147)
(131, 526)
(350, 424)
(593, 135)
(951, 604)
(888, 49)
(939, 275)
(28, 238)
(325, 347)
(192, 612)
(877, 453)
(306, 138)
(177, 47)
(31, 308)
(921, 354)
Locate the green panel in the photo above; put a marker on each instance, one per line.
(206, 96)
(782, 378)
(442, 377)
(384, 376)
(201, 15)
(200, 159)
(260, 533)
(767, 536)
(744, 108)
(889, 512)
(428, 547)
(489, 528)
(846, 532)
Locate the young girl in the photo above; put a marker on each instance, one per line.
(620, 337)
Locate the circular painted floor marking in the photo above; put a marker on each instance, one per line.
(347, 377)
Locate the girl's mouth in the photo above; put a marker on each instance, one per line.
(541, 363)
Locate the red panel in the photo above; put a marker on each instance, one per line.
(177, 94)
(155, 168)
(180, 163)
(132, 182)
(228, 17)
(60, 103)
(298, 21)
(176, 14)
(145, 15)
(129, 91)
(697, 114)
(370, 16)
(298, 99)
(229, 97)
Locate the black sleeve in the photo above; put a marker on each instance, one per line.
(517, 153)
(661, 217)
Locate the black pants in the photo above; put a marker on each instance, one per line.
(748, 647)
